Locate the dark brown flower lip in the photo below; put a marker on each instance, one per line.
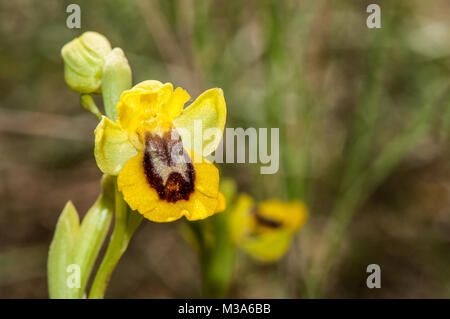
(167, 166)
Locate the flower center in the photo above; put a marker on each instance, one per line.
(168, 167)
(266, 221)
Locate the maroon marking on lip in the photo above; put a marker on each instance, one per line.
(264, 221)
(164, 156)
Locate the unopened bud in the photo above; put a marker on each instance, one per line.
(84, 58)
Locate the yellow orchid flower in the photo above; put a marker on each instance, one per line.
(149, 147)
(265, 231)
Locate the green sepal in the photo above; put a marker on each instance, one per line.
(201, 124)
(112, 147)
(116, 79)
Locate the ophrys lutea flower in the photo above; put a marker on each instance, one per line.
(149, 147)
(265, 230)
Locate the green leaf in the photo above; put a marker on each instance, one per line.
(92, 234)
(59, 256)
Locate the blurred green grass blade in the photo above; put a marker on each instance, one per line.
(59, 256)
(228, 188)
(395, 151)
(364, 184)
(92, 234)
(369, 109)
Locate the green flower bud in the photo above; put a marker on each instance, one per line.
(83, 62)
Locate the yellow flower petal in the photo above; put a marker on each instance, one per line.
(206, 200)
(149, 85)
(207, 113)
(290, 215)
(206, 177)
(132, 107)
(138, 104)
(199, 206)
(133, 184)
(222, 205)
(138, 193)
(268, 247)
(149, 99)
(240, 217)
(261, 240)
(174, 107)
(112, 147)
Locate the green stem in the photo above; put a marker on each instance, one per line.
(218, 261)
(126, 224)
(217, 256)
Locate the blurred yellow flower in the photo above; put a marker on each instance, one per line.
(265, 230)
(149, 149)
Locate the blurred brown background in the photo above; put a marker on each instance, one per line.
(311, 68)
